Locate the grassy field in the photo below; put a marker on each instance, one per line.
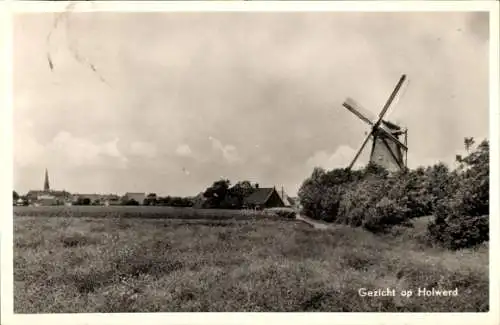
(84, 264)
(149, 212)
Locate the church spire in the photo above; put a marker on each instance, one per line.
(46, 186)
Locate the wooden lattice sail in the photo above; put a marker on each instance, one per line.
(389, 149)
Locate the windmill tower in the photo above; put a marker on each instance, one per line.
(389, 141)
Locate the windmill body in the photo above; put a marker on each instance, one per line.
(389, 141)
(386, 152)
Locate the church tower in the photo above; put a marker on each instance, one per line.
(46, 186)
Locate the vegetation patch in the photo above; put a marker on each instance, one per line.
(378, 201)
(254, 265)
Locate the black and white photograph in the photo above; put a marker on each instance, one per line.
(251, 161)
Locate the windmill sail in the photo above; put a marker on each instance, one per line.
(387, 149)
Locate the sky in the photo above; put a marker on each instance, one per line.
(171, 102)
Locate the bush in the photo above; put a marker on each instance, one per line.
(359, 201)
(387, 213)
(131, 202)
(454, 227)
(321, 194)
(462, 219)
(368, 204)
(408, 190)
(373, 199)
(287, 213)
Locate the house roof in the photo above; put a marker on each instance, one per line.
(259, 196)
(33, 193)
(88, 196)
(111, 197)
(46, 196)
(60, 193)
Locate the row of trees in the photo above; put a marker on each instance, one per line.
(173, 201)
(221, 195)
(375, 200)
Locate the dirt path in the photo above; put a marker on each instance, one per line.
(314, 223)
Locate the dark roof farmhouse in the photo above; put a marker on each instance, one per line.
(264, 198)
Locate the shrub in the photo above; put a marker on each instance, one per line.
(454, 228)
(321, 194)
(366, 203)
(387, 213)
(131, 202)
(407, 189)
(375, 200)
(359, 201)
(462, 219)
(287, 213)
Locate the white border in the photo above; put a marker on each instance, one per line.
(9, 318)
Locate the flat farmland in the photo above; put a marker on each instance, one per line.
(173, 264)
(152, 212)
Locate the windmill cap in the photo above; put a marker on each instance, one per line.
(391, 125)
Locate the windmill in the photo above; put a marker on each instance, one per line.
(388, 149)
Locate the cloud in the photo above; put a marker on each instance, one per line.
(143, 149)
(79, 152)
(69, 150)
(341, 158)
(270, 95)
(229, 152)
(27, 150)
(183, 150)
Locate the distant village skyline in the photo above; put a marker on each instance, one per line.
(242, 195)
(195, 101)
(48, 189)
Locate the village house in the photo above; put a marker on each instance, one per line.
(96, 199)
(287, 200)
(20, 202)
(90, 199)
(263, 198)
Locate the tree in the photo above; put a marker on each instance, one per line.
(462, 217)
(131, 202)
(15, 196)
(239, 192)
(216, 193)
(437, 183)
(320, 195)
(468, 142)
(151, 199)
